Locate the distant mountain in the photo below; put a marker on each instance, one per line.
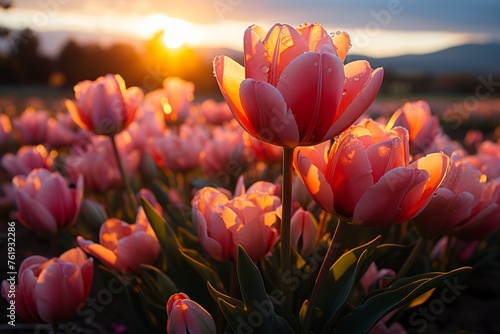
(467, 58)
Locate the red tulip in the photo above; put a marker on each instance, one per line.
(187, 316)
(104, 106)
(248, 220)
(124, 247)
(294, 89)
(51, 291)
(45, 202)
(366, 175)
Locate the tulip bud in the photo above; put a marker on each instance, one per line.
(303, 227)
(92, 213)
(187, 316)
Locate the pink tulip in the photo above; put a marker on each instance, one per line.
(248, 220)
(45, 202)
(463, 201)
(104, 106)
(215, 112)
(63, 131)
(26, 159)
(222, 158)
(173, 101)
(294, 89)
(124, 247)
(51, 291)
(366, 175)
(32, 126)
(303, 227)
(96, 162)
(372, 275)
(187, 316)
(487, 159)
(5, 130)
(262, 151)
(422, 126)
(178, 152)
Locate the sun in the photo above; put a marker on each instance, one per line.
(176, 32)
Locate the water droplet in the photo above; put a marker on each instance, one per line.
(400, 208)
(329, 70)
(213, 73)
(315, 64)
(350, 45)
(338, 32)
(356, 78)
(344, 92)
(265, 69)
(434, 195)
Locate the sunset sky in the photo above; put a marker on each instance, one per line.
(377, 28)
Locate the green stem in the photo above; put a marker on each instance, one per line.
(125, 183)
(412, 258)
(286, 250)
(333, 254)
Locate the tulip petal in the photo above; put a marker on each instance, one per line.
(315, 182)
(80, 118)
(257, 64)
(133, 256)
(348, 113)
(56, 196)
(33, 214)
(103, 254)
(210, 245)
(437, 165)
(229, 75)
(342, 43)
(268, 112)
(283, 44)
(312, 86)
(112, 231)
(387, 202)
(444, 212)
(315, 36)
(256, 236)
(60, 291)
(350, 173)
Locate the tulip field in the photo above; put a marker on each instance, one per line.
(300, 202)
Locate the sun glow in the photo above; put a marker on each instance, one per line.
(176, 32)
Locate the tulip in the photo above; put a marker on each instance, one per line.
(96, 163)
(5, 130)
(294, 89)
(303, 227)
(32, 126)
(422, 126)
(124, 247)
(187, 316)
(215, 112)
(45, 201)
(487, 159)
(26, 159)
(263, 151)
(51, 291)
(372, 275)
(366, 175)
(63, 131)
(104, 106)
(248, 220)
(178, 152)
(173, 100)
(464, 201)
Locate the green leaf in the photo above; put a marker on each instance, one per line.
(364, 317)
(202, 267)
(236, 317)
(216, 295)
(159, 284)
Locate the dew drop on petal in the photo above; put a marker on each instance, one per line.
(265, 69)
(329, 70)
(338, 32)
(356, 78)
(287, 41)
(315, 64)
(344, 92)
